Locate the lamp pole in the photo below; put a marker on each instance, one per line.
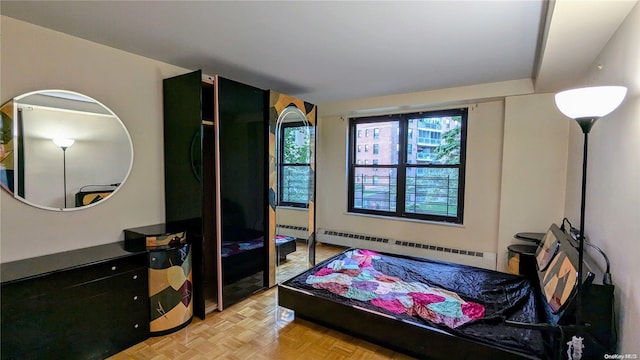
(585, 124)
(64, 174)
(64, 144)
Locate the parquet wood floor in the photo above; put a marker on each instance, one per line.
(257, 328)
(297, 261)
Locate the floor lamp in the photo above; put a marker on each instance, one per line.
(586, 106)
(64, 144)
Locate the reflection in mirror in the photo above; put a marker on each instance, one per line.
(196, 155)
(295, 164)
(61, 150)
(294, 186)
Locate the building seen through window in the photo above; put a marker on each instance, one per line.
(425, 181)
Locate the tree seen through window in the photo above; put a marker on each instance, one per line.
(423, 183)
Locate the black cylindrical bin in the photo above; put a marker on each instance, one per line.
(522, 260)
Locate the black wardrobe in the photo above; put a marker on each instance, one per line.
(216, 184)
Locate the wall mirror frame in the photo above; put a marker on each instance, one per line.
(287, 113)
(61, 150)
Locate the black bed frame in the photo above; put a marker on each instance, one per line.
(241, 265)
(426, 342)
(285, 248)
(413, 339)
(249, 262)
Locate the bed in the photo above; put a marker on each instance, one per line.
(243, 253)
(84, 198)
(438, 309)
(285, 245)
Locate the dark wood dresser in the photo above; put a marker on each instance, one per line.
(83, 304)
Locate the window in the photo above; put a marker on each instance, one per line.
(359, 133)
(366, 132)
(376, 133)
(295, 168)
(366, 148)
(359, 148)
(424, 181)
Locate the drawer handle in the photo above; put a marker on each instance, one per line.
(135, 297)
(113, 268)
(135, 277)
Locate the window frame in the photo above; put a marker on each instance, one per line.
(281, 166)
(403, 164)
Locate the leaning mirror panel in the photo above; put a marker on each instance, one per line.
(293, 191)
(61, 150)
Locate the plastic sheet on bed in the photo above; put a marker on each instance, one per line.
(462, 300)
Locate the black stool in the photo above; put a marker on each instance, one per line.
(522, 260)
(530, 236)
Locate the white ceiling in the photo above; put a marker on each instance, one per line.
(323, 51)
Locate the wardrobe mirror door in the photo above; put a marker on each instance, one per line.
(243, 178)
(295, 140)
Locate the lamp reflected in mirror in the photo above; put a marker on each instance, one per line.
(64, 144)
(30, 168)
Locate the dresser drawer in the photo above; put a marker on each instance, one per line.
(56, 281)
(88, 315)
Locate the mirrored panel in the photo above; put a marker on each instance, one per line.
(61, 150)
(294, 183)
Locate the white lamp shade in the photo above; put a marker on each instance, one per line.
(63, 143)
(590, 102)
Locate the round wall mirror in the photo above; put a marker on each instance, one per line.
(61, 150)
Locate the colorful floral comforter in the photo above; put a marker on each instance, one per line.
(353, 277)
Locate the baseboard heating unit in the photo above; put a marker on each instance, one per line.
(298, 232)
(484, 260)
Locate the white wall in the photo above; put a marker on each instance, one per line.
(484, 155)
(35, 58)
(100, 155)
(292, 216)
(485, 166)
(534, 167)
(612, 218)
